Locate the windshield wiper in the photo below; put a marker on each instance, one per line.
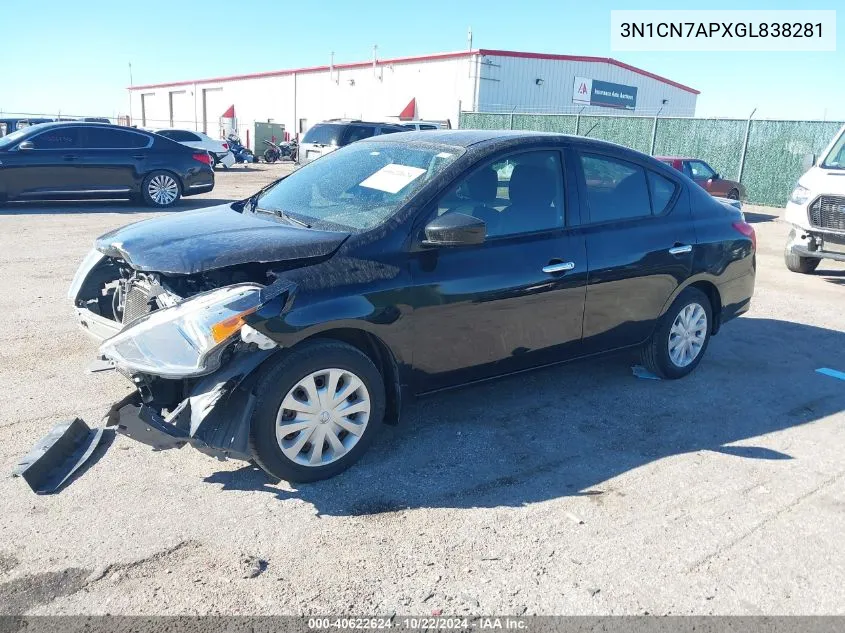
(286, 216)
(252, 203)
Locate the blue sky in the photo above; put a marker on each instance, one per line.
(74, 57)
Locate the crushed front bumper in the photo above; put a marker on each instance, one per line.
(214, 418)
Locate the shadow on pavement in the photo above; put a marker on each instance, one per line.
(754, 218)
(568, 430)
(62, 207)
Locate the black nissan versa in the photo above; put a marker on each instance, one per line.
(287, 328)
(74, 160)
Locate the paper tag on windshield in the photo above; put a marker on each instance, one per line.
(392, 178)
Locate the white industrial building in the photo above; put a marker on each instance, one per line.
(429, 87)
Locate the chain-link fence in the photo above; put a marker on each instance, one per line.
(766, 156)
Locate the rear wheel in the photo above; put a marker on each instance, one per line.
(798, 264)
(680, 340)
(161, 189)
(269, 156)
(733, 194)
(319, 407)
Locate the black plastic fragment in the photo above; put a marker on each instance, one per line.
(58, 455)
(143, 425)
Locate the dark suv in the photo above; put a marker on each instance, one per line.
(328, 136)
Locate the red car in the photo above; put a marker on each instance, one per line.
(706, 176)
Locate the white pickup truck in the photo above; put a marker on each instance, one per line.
(816, 211)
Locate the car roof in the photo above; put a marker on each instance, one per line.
(466, 138)
(49, 124)
(676, 158)
(357, 122)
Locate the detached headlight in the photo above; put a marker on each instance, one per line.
(185, 339)
(800, 195)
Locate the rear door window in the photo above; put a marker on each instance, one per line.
(107, 138)
(616, 189)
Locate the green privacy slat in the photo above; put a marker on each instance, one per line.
(561, 123)
(776, 150)
(774, 154)
(633, 132)
(716, 141)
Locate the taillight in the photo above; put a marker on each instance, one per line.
(203, 158)
(226, 146)
(748, 231)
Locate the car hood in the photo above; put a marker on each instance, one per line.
(821, 181)
(207, 239)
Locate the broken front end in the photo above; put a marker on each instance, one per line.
(184, 343)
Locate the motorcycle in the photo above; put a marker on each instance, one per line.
(242, 153)
(286, 150)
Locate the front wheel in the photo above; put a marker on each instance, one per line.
(681, 338)
(733, 194)
(319, 407)
(798, 264)
(161, 189)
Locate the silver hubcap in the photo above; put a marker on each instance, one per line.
(323, 417)
(163, 189)
(688, 334)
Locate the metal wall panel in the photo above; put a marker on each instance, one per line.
(510, 84)
(441, 89)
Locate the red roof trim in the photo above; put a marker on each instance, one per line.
(422, 58)
(582, 58)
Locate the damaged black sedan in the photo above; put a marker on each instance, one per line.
(287, 328)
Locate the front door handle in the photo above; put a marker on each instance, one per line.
(139, 156)
(680, 249)
(558, 267)
(70, 157)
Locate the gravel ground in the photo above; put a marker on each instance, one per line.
(574, 490)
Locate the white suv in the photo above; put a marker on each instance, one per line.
(816, 211)
(327, 136)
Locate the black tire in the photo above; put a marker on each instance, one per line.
(280, 376)
(733, 194)
(655, 352)
(166, 177)
(798, 264)
(269, 156)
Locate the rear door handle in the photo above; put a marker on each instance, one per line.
(558, 267)
(139, 156)
(70, 157)
(680, 249)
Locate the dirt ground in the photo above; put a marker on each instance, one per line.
(574, 490)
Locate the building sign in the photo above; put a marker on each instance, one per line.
(604, 93)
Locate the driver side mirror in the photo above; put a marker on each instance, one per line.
(26, 146)
(715, 176)
(455, 229)
(808, 161)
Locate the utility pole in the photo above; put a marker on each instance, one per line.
(745, 145)
(131, 120)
